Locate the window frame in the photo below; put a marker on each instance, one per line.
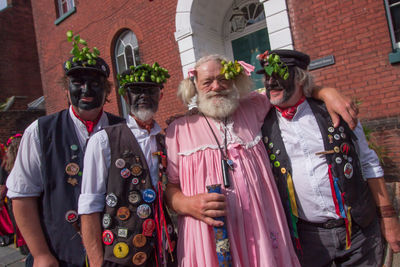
(61, 15)
(394, 56)
(8, 5)
(135, 56)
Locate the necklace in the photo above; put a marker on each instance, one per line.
(226, 163)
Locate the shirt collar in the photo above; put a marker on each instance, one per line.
(132, 124)
(103, 121)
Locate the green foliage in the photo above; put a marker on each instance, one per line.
(81, 51)
(372, 144)
(231, 69)
(143, 73)
(275, 65)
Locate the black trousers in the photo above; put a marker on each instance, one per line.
(322, 247)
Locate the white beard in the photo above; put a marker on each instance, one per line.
(143, 114)
(218, 105)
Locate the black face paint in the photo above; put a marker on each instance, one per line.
(87, 90)
(275, 82)
(143, 98)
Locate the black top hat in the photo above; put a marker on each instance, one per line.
(289, 57)
(100, 66)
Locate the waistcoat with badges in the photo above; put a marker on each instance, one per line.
(62, 162)
(342, 157)
(133, 209)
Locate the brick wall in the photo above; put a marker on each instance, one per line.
(99, 23)
(356, 33)
(15, 121)
(19, 67)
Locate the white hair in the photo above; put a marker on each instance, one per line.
(305, 79)
(187, 87)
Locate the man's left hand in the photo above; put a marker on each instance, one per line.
(391, 231)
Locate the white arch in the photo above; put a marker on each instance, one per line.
(206, 21)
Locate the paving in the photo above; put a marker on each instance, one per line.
(11, 257)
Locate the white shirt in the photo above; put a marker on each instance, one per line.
(97, 162)
(302, 139)
(25, 179)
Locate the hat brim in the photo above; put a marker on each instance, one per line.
(144, 84)
(84, 69)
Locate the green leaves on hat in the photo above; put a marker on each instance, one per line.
(275, 65)
(81, 51)
(142, 73)
(231, 69)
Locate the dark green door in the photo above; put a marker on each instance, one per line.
(248, 47)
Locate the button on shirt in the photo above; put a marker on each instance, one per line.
(25, 179)
(302, 139)
(97, 162)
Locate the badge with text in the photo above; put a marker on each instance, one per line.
(136, 169)
(139, 258)
(125, 173)
(123, 213)
(111, 200)
(123, 232)
(148, 227)
(120, 163)
(139, 240)
(106, 222)
(72, 169)
(134, 197)
(108, 237)
(143, 211)
(71, 216)
(121, 250)
(149, 195)
(348, 170)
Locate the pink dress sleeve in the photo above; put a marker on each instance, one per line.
(172, 146)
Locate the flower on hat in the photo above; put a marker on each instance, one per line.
(81, 51)
(273, 64)
(143, 73)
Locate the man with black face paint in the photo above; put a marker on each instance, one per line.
(123, 183)
(329, 180)
(46, 180)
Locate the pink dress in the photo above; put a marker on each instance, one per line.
(256, 223)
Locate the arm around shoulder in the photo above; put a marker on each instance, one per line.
(337, 105)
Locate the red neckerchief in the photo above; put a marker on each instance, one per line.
(89, 124)
(144, 125)
(289, 112)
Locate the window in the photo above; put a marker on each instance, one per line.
(64, 6)
(393, 16)
(126, 54)
(252, 13)
(3, 4)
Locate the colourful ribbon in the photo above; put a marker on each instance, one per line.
(12, 137)
(248, 69)
(338, 199)
(192, 73)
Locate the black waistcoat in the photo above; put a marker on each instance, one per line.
(60, 147)
(130, 191)
(344, 161)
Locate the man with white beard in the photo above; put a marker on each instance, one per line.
(122, 182)
(224, 133)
